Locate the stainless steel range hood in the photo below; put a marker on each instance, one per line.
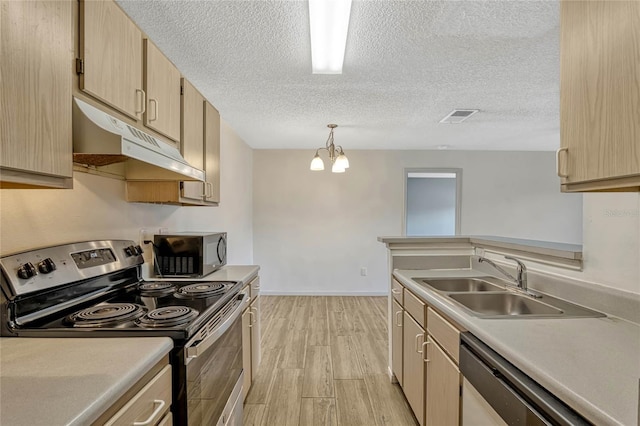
(100, 139)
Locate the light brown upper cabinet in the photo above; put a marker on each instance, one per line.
(200, 146)
(162, 87)
(110, 64)
(599, 96)
(36, 70)
(192, 137)
(212, 152)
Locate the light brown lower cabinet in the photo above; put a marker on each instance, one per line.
(396, 340)
(149, 405)
(413, 365)
(251, 334)
(443, 387)
(246, 351)
(425, 360)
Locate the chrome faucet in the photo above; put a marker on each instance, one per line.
(521, 272)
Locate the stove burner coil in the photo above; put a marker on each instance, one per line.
(201, 290)
(167, 317)
(106, 315)
(156, 289)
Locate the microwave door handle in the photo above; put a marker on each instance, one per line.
(194, 350)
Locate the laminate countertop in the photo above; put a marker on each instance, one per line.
(592, 364)
(70, 381)
(242, 273)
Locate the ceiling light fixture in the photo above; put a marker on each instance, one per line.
(339, 161)
(329, 24)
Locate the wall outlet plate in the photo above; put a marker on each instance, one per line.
(478, 251)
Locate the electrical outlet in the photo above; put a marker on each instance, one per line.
(143, 235)
(363, 271)
(479, 251)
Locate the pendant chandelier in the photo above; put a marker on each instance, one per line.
(339, 161)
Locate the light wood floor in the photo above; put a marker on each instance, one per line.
(324, 362)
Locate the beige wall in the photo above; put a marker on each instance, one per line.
(314, 231)
(96, 208)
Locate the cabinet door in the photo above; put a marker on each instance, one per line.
(255, 334)
(162, 85)
(192, 136)
(37, 45)
(396, 341)
(212, 152)
(413, 364)
(443, 387)
(600, 95)
(111, 49)
(246, 352)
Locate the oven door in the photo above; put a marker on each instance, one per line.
(214, 366)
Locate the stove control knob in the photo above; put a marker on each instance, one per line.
(46, 266)
(130, 251)
(138, 250)
(27, 270)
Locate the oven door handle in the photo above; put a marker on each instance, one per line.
(198, 346)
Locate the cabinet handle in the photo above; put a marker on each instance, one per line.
(209, 189)
(153, 415)
(558, 172)
(418, 336)
(251, 321)
(256, 309)
(398, 319)
(395, 291)
(424, 352)
(155, 109)
(143, 101)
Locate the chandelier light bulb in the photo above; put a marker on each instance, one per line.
(336, 168)
(317, 163)
(342, 161)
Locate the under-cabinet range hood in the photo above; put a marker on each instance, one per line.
(100, 139)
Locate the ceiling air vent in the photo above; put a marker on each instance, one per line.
(458, 116)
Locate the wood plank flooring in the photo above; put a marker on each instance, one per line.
(324, 362)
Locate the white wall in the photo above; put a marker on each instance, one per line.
(313, 231)
(611, 246)
(96, 208)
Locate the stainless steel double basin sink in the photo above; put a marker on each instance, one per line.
(490, 297)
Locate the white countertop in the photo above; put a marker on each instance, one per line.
(61, 381)
(547, 248)
(592, 364)
(242, 273)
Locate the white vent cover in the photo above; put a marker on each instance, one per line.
(458, 116)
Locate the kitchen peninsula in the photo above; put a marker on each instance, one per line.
(590, 364)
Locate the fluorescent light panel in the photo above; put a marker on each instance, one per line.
(329, 24)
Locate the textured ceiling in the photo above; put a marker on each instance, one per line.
(407, 65)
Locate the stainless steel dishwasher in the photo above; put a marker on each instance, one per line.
(496, 392)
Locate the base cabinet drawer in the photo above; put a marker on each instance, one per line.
(149, 406)
(444, 333)
(416, 307)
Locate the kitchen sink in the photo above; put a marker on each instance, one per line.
(456, 285)
(513, 305)
(504, 304)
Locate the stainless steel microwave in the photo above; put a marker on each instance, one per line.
(189, 254)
